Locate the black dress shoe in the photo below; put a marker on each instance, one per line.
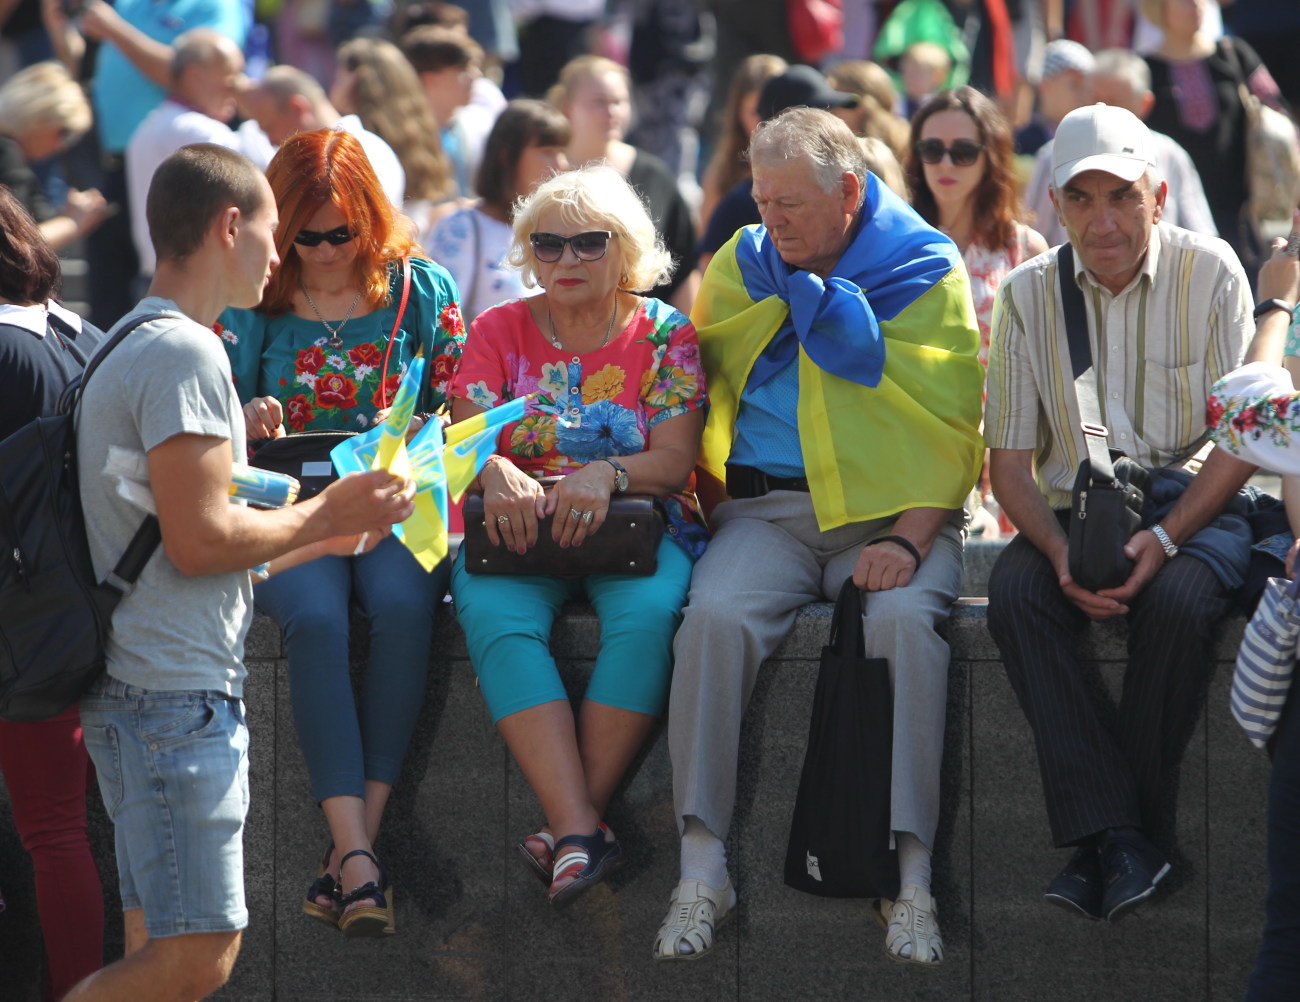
(1132, 868)
(1078, 888)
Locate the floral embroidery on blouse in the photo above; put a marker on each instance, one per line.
(1234, 419)
(320, 387)
(588, 407)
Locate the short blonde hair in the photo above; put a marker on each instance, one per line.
(596, 196)
(43, 94)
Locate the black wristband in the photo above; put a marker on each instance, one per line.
(902, 541)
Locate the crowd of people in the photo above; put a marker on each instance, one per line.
(745, 313)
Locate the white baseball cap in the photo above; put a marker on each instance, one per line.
(1100, 137)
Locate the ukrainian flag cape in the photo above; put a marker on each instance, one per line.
(912, 440)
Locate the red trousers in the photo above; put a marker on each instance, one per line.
(47, 770)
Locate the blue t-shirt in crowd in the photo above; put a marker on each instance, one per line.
(123, 95)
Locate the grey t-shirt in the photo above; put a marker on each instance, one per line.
(168, 377)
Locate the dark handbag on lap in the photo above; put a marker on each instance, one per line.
(627, 543)
(1105, 511)
(1106, 502)
(839, 833)
(305, 456)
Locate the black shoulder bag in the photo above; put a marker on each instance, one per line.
(1106, 502)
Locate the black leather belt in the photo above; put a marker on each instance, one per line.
(749, 482)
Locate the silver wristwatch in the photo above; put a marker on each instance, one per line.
(620, 475)
(1171, 549)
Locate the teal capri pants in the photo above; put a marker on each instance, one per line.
(507, 622)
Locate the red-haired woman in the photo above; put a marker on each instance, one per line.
(312, 356)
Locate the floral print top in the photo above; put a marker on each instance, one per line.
(1254, 413)
(323, 388)
(603, 403)
(987, 268)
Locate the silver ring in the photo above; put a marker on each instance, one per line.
(502, 519)
(587, 516)
(1293, 245)
(575, 514)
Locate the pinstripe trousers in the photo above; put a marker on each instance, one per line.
(766, 560)
(1097, 776)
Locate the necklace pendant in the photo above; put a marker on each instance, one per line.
(335, 342)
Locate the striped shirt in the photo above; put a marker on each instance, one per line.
(1157, 348)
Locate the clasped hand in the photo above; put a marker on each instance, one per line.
(514, 502)
(1148, 556)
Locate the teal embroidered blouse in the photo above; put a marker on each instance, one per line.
(323, 388)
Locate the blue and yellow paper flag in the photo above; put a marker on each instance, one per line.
(437, 471)
(470, 442)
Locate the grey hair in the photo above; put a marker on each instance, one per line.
(1128, 66)
(599, 197)
(827, 143)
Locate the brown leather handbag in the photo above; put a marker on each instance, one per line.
(627, 543)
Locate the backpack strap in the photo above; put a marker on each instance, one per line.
(123, 576)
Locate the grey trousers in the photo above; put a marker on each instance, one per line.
(766, 560)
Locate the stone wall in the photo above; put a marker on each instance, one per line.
(473, 922)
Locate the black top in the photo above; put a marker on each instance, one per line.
(19, 178)
(735, 209)
(36, 369)
(1219, 152)
(672, 216)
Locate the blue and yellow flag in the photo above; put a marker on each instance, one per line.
(470, 442)
(385, 448)
(910, 440)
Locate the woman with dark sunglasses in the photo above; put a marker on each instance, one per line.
(959, 170)
(325, 350)
(617, 409)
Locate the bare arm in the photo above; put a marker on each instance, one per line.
(1279, 278)
(203, 533)
(150, 57)
(887, 565)
(66, 40)
(1220, 477)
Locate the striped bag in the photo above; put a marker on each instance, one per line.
(1266, 661)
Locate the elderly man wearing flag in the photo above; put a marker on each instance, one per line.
(841, 349)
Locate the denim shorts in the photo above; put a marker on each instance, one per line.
(173, 772)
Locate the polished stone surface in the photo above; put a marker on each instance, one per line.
(473, 922)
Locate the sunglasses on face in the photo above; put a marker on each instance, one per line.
(312, 238)
(963, 152)
(588, 246)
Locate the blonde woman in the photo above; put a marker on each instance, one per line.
(43, 111)
(375, 82)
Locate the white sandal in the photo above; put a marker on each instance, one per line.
(912, 920)
(695, 912)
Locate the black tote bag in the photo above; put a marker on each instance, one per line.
(839, 834)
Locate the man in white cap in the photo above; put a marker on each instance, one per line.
(1167, 312)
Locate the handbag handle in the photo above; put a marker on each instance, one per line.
(392, 335)
(846, 637)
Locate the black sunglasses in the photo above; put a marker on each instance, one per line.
(335, 237)
(963, 152)
(587, 246)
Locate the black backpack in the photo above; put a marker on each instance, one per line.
(54, 613)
